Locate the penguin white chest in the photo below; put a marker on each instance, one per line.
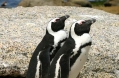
(80, 61)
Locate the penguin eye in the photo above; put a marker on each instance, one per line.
(83, 21)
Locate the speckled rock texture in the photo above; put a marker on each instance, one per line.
(31, 3)
(111, 3)
(21, 30)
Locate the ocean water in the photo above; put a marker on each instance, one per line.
(10, 3)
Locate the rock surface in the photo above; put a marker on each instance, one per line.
(31, 3)
(21, 30)
(112, 3)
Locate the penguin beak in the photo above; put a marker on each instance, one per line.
(63, 18)
(91, 21)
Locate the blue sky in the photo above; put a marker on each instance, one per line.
(11, 3)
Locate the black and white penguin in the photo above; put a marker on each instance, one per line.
(51, 42)
(71, 57)
(80, 33)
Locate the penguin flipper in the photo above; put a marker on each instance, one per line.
(45, 60)
(65, 66)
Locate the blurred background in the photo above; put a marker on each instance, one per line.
(111, 6)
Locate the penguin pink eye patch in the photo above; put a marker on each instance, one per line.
(56, 20)
(81, 22)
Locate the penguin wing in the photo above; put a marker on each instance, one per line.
(39, 63)
(65, 66)
(45, 62)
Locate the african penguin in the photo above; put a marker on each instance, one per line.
(80, 34)
(51, 42)
(71, 57)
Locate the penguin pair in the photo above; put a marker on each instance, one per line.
(71, 57)
(47, 48)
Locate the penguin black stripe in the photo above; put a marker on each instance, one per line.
(73, 59)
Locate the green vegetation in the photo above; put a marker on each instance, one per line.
(98, 3)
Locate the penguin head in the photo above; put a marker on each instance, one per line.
(57, 24)
(82, 26)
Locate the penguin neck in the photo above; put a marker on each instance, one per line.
(58, 36)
